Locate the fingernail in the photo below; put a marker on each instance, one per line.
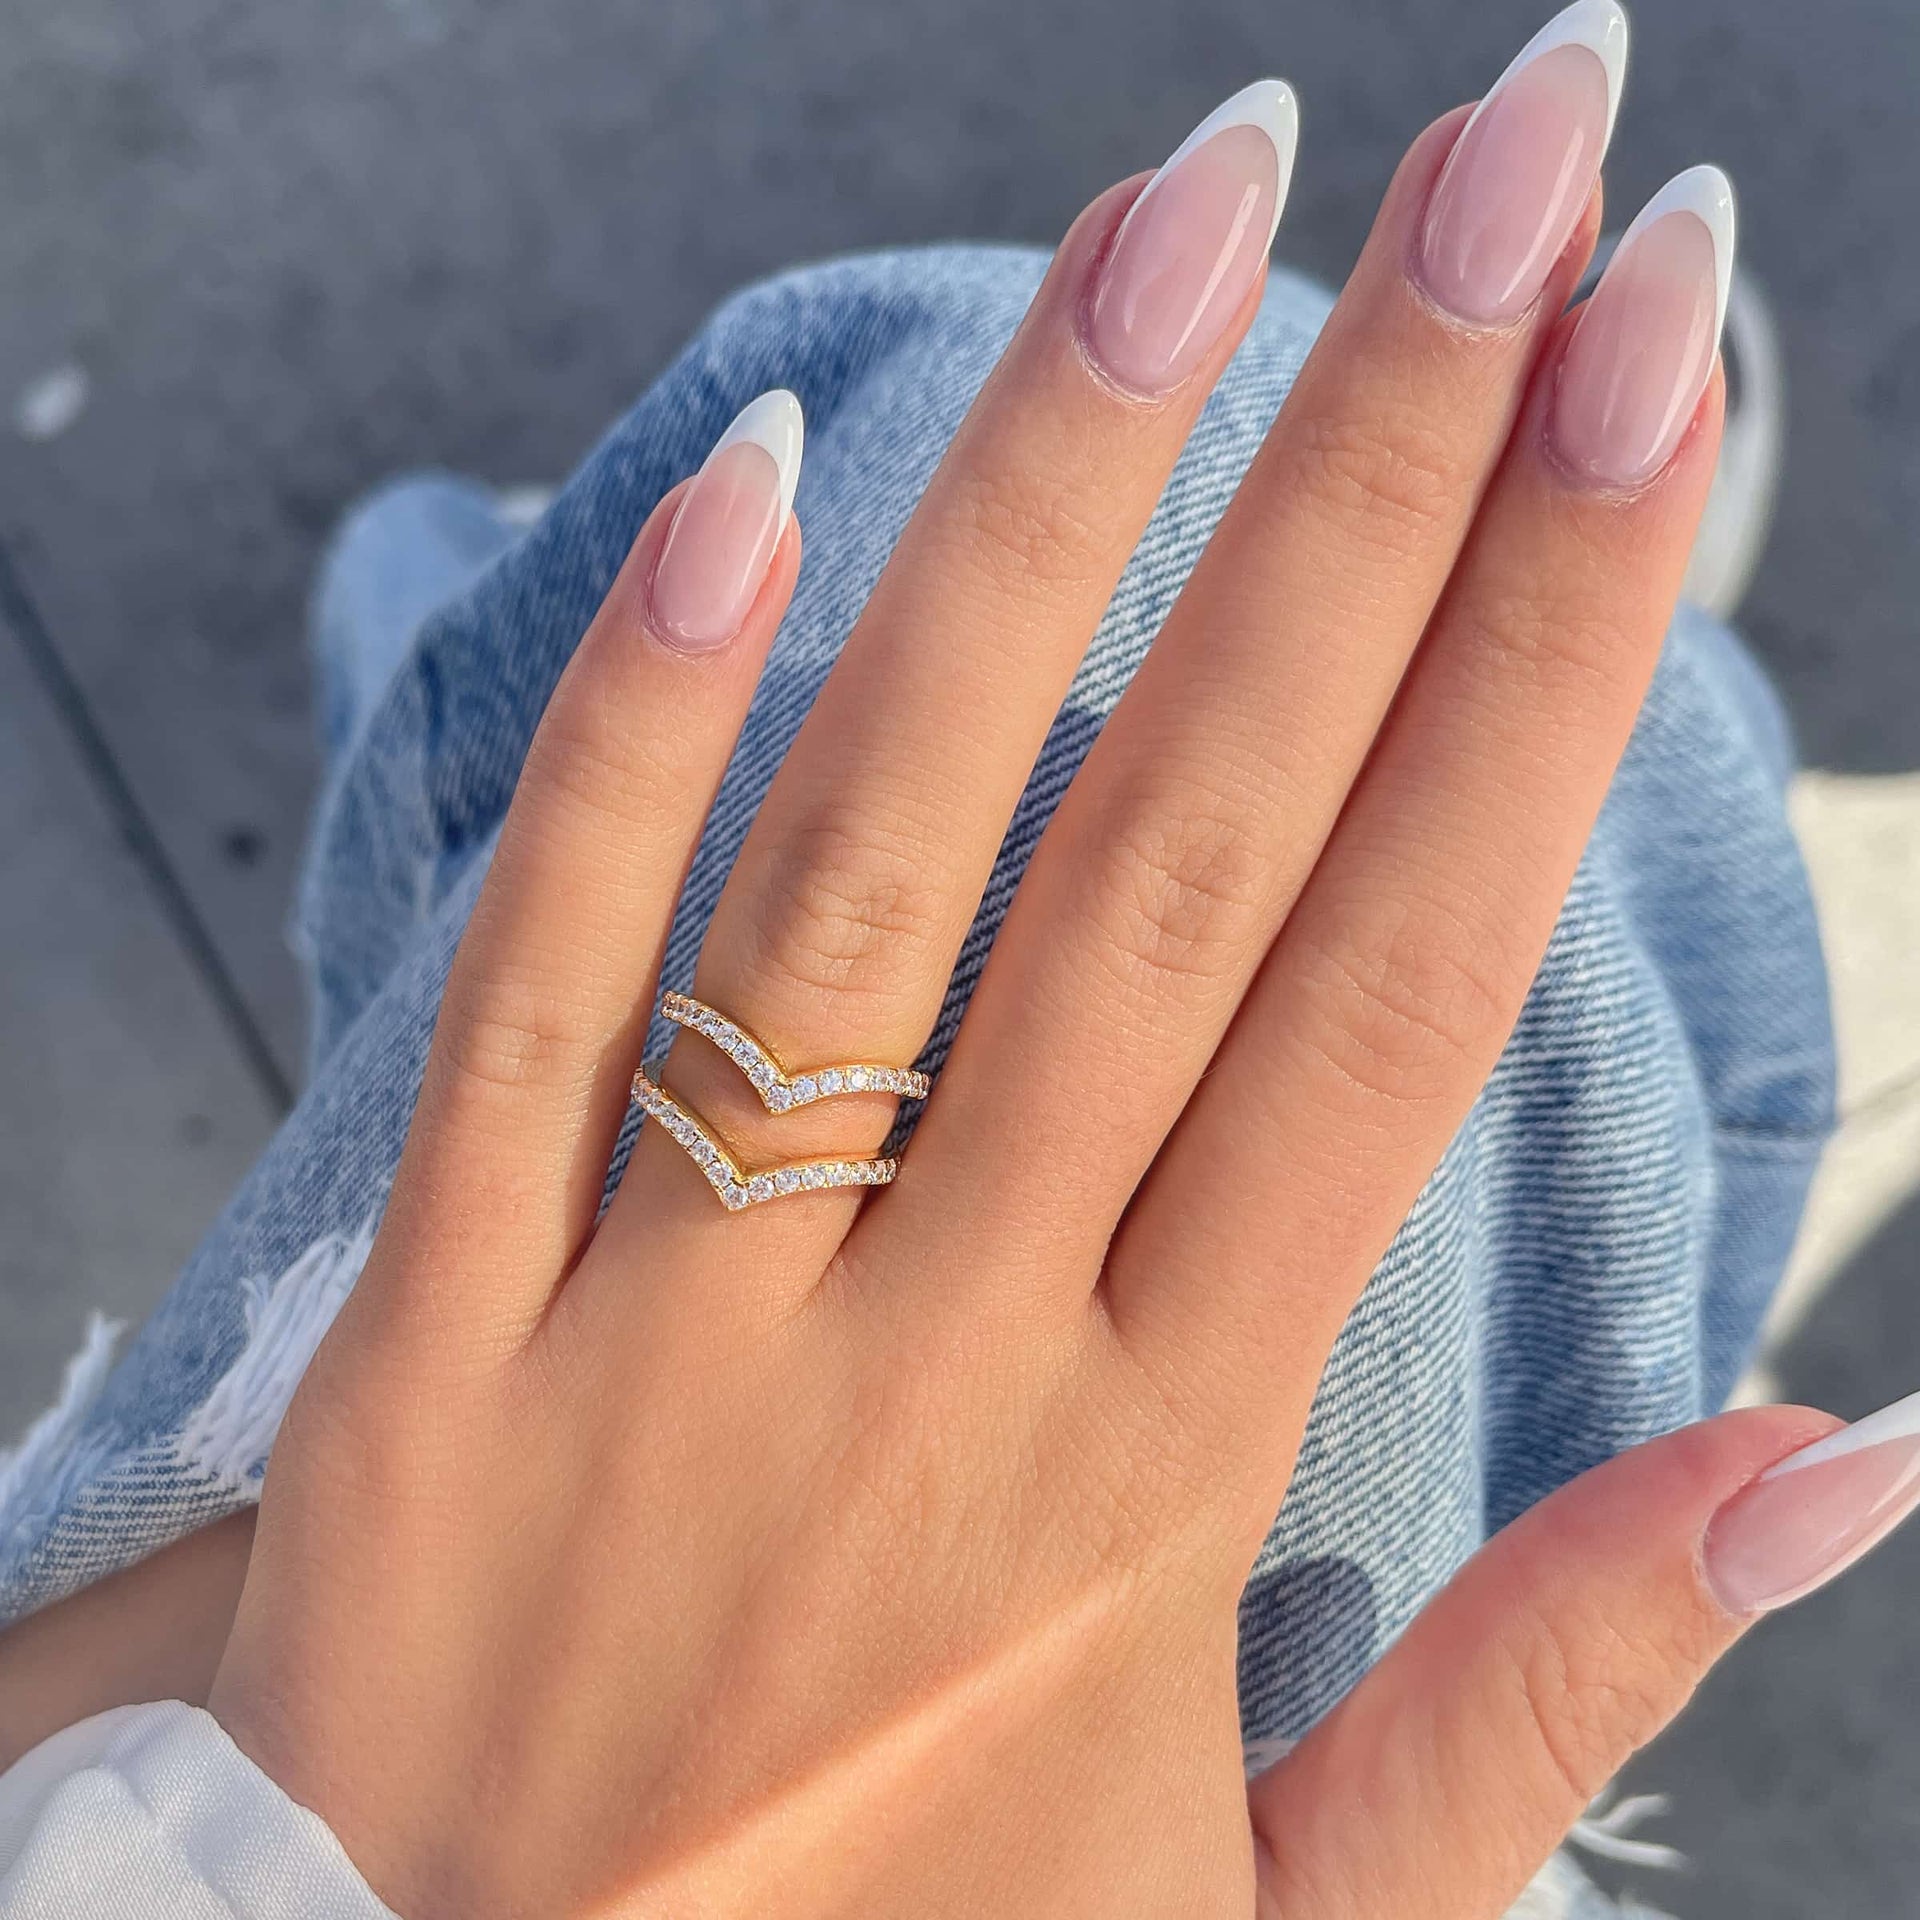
(1194, 242)
(1521, 172)
(1644, 344)
(1816, 1512)
(729, 523)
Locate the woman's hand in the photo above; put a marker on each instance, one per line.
(839, 1558)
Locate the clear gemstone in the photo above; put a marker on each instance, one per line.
(787, 1180)
(735, 1197)
(805, 1088)
(830, 1082)
(779, 1099)
(857, 1079)
(759, 1187)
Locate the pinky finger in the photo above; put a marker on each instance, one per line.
(1438, 1787)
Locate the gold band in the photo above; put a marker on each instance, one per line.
(736, 1187)
(780, 1092)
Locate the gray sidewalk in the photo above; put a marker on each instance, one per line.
(256, 258)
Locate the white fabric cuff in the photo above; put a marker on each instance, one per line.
(152, 1813)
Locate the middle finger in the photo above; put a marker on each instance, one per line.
(1176, 855)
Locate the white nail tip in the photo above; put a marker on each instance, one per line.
(1268, 105)
(1901, 1421)
(773, 422)
(1598, 25)
(1707, 194)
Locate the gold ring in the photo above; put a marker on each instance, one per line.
(780, 1092)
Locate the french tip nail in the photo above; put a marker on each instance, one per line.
(1901, 1421)
(775, 423)
(1707, 194)
(1269, 105)
(1598, 25)
(1815, 1514)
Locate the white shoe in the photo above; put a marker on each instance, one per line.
(522, 507)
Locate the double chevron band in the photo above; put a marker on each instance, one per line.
(780, 1092)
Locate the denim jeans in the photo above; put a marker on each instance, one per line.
(1587, 1267)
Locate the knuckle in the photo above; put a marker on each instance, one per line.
(1030, 530)
(1406, 1001)
(1388, 475)
(1560, 635)
(514, 1036)
(1588, 1699)
(1178, 894)
(594, 758)
(842, 908)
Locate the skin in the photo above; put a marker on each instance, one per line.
(888, 1554)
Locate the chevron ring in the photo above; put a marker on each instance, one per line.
(780, 1092)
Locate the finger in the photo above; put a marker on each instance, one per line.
(1385, 1003)
(1179, 849)
(1442, 1782)
(547, 1002)
(838, 929)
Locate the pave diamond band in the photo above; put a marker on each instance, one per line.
(735, 1186)
(779, 1090)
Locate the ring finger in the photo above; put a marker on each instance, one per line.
(838, 929)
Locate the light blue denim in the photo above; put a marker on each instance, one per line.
(1587, 1268)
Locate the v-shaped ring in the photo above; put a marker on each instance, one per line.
(735, 1186)
(779, 1090)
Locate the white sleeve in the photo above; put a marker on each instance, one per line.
(152, 1813)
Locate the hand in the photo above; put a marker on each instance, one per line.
(829, 1558)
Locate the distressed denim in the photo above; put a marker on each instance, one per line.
(1587, 1267)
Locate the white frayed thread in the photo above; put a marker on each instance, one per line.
(56, 1429)
(1560, 1891)
(229, 1436)
(1606, 1832)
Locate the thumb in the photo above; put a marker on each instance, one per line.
(1438, 1786)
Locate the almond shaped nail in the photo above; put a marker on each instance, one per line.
(728, 526)
(1524, 166)
(1194, 243)
(1644, 345)
(1812, 1515)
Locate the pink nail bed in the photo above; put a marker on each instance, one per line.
(1811, 1516)
(728, 525)
(1521, 172)
(1193, 244)
(1644, 345)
